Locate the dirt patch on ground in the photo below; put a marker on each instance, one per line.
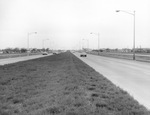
(61, 85)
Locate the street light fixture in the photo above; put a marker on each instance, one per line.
(98, 40)
(133, 14)
(28, 39)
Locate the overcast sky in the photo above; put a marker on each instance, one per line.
(68, 23)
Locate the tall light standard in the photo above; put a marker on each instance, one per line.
(43, 42)
(98, 40)
(28, 39)
(133, 14)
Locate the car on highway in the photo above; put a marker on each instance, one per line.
(54, 53)
(44, 53)
(83, 54)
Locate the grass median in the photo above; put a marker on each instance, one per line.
(61, 85)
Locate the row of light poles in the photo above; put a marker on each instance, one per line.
(28, 40)
(31, 33)
(98, 40)
(43, 42)
(88, 40)
(133, 14)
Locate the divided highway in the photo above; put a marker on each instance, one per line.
(17, 59)
(132, 76)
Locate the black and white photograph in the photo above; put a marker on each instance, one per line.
(74, 57)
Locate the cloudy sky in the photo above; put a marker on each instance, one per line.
(68, 23)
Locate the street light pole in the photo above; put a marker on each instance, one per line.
(28, 42)
(28, 39)
(134, 37)
(98, 40)
(133, 14)
(98, 44)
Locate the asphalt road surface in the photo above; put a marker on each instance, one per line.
(132, 76)
(17, 59)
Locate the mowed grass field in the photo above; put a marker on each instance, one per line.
(61, 85)
(139, 57)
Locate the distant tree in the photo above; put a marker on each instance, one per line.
(16, 50)
(8, 50)
(147, 50)
(39, 50)
(34, 50)
(43, 49)
(107, 49)
(116, 49)
(100, 50)
(23, 50)
(47, 49)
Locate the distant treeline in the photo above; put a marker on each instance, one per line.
(137, 50)
(22, 50)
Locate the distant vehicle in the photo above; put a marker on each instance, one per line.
(55, 53)
(83, 54)
(44, 53)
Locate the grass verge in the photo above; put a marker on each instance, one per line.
(129, 56)
(61, 85)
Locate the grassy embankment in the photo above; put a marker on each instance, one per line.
(61, 85)
(139, 57)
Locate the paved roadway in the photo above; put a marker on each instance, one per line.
(17, 59)
(132, 76)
